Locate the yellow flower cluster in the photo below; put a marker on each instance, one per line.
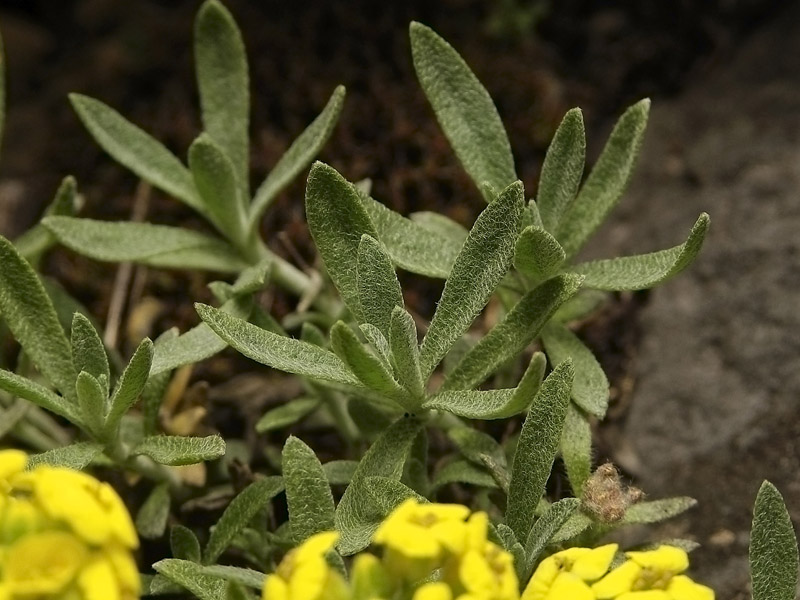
(441, 552)
(64, 535)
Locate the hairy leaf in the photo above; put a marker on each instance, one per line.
(464, 109)
(536, 449)
(607, 181)
(308, 493)
(190, 575)
(478, 269)
(298, 156)
(512, 335)
(40, 396)
(184, 543)
(75, 456)
(136, 150)
(545, 528)
(405, 351)
(463, 471)
(773, 548)
(538, 255)
(340, 472)
(88, 352)
(130, 384)
(176, 450)
(362, 361)
(378, 289)
(92, 402)
(644, 270)
(576, 448)
(287, 414)
(657, 510)
(151, 520)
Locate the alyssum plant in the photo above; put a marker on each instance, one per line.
(420, 428)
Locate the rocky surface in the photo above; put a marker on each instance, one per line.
(716, 404)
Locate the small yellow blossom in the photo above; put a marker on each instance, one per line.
(652, 575)
(569, 573)
(63, 535)
(304, 573)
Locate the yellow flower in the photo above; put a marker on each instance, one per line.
(305, 575)
(653, 575)
(567, 574)
(63, 535)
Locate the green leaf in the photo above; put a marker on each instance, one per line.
(216, 183)
(538, 255)
(607, 181)
(378, 289)
(478, 404)
(478, 269)
(88, 352)
(415, 471)
(155, 388)
(92, 402)
(463, 471)
(38, 239)
(190, 575)
(378, 343)
(176, 450)
(644, 270)
(287, 414)
(562, 170)
(10, 416)
(151, 520)
(340, 472)
(145, 243)
(657, 510)
(279, 352)
(411, 246)
(239, 575)
(184, 543)
(512, 335)
(536, 449)
(40, 396)
(362, 362)
(463, 108)
(575, 525)
(576, 448)
(298, 156)
(590, 390)
(130, 385)
(308, 493)
(385, 458)
(197, 344)
(75, 456)
(29, 314)
(545, 528)
(441, 225)
(239, 513)
(405, 351)
(474, 445)
(223, 84)
(773, 548)
(337, 220)
(136, 150)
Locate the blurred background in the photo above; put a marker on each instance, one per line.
(704, 370)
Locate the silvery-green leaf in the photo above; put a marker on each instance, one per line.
(405, 351)
(279, 352)
(575, 525)
(370, 417)
(136, 150)
(512, 335)
(644, 270)
(576, 448)
(463, 471)
(239, 513)
(130, 385)
(287, 414)
(308, 493)
(773, 548)
(538, 255)
(378, 289)
(155, 388)
(29, 314)
(151, 520)
(590, 390)
(92, 400)
(385, 458)
(223, 84)
(340, 472)
(337, 220)
(298, 156)
(463, 108)
(184, 543)
(474, 444)
(36, 240)
(562, 170)
(606, 182)
(88, 352)
(10, 416)
(479, 404)
(145, 243)
(215, 180)
(378, 343)
(190, 575)
(177, 450)
(40, 396)
(239, 575)
(545, 528)
(75, 456)
(197, 344)
(411, 246)
(441, 225)
(581, 305)
(536, 449)
(415, 471)
(653, 511)
(480, 266)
